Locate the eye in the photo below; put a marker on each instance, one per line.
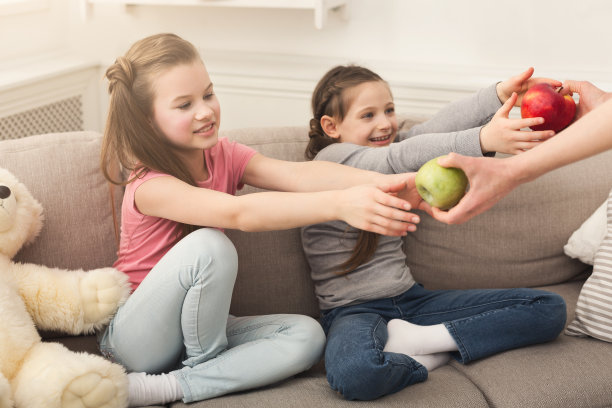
(367, 115)
(5, 192)
(390, 110)
(184, 106)
(209, 96)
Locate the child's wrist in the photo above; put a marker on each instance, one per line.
(483, 138)
(500, 94)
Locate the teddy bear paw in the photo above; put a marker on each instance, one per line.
(102, 291)
(90, 390)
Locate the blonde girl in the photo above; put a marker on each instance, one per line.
(384, 330)
(174, 334)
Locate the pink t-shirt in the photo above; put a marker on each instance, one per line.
(145, 239)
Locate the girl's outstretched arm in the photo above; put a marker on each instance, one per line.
(317, 175)
(375, 208)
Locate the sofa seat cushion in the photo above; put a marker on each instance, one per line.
(571, 372)
(310, 389)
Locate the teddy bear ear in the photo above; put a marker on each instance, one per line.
(28, 216)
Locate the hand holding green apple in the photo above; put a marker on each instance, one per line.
(439, 186)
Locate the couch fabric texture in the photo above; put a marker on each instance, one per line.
(518, 243)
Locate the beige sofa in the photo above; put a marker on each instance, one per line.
(517, 243)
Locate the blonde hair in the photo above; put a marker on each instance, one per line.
(131, 140)
(330, 99)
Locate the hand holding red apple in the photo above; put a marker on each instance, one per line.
(590, 95)
(542, 100)
(506, 135)
(520, 84)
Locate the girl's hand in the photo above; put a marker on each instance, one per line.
(504, 135)
(377, 209)
(520, 84)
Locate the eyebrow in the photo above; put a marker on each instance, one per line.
(208, 88)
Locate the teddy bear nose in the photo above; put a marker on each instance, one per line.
(5, 192)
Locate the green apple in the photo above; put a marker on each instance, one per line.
(439, 186)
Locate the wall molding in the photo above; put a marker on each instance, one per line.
(256, 89)
(420, 90)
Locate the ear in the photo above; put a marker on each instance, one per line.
(328, 124)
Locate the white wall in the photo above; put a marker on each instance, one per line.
(265, 62)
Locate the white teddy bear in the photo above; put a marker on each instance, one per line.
(37, 374)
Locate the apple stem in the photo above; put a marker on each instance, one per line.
(559, 89)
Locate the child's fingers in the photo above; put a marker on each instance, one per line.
(527, 145)
(525, 75)
(540, 134)
(504, 111)
(552, 82)
(526, 122)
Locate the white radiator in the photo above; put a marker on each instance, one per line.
(57, 94)
(64, 115)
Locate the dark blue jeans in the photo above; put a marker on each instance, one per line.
(482, 322)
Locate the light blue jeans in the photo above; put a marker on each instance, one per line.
(178, 321)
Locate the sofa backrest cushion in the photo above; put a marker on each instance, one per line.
(62, 172)
(518, 242)
(273, 274)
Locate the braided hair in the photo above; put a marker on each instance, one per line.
(131, 139)
(330, 99)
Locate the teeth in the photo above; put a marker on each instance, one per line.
(379, 139)
(207, 128)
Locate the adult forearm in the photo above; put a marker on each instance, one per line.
(586, 137)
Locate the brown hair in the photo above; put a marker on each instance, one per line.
(131, 140)
(330, 99)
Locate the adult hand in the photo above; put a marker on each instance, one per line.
(590, 95)
(490, 180)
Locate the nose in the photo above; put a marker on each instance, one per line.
(5, 192)
(203, 112)
(384, 123)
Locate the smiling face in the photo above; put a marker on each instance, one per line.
(185, 107)
(370, 119)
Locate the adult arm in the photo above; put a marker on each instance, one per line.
(492, 179)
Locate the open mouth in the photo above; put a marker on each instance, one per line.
(380, 139)
(206, 128)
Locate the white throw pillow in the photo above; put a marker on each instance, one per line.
(594, 307)
(585, 241)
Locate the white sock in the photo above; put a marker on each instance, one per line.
(146, 389)
(429, 345)
(432, 361)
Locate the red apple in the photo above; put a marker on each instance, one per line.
(542, 100)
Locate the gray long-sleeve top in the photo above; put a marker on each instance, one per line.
(456, 128)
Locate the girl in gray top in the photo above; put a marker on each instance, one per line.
(384, 330)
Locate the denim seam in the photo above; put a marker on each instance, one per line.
(465, 355)
(187, 394)
(473, 307)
